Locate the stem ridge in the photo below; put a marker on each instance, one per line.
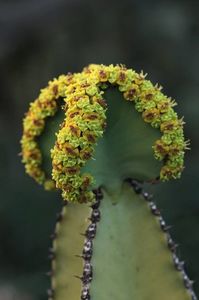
(172, 246)
(88, 245)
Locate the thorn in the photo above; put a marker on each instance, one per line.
(137, 189)
(99, 196)
(51, 250)
(79, 256)
(88, 297)
(78, 277)
(136, 185)
(168, 227)
(95, 205)
(193, 295)
(163, 225)
(50, 293)
(87, 250)
(59, 217)
(147, 196)
(187, 282)
(49, 273)
(171, 244)
(95, 216)
(88, 245)
(84, 279)
(87, 270)
(97, 190)
(53, 236)
(91, 231)
(98, 193)
(179, 265)
(87, 255)
(51, 256)
(155, 211)
(85, 293)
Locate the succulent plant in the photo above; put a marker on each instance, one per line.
(110, 240)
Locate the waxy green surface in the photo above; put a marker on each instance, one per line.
(126, 147)
(131, 259)
(67, 245)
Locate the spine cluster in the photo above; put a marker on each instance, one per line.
(85, 122)
(88, 246)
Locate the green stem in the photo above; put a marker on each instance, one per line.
(131, 258)
(67, 244)
(133, 255)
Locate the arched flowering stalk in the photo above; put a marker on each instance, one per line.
(43, 107)
(128, 257)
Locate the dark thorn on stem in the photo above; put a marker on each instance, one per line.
(179, 265)
(95, 205)
(50, 292)
(95, 215)
(193, 295)
(78, 277)
(171, 244)
(187, 282)
(163, 225)
(98, 194)
(85, 293)
(51, 256)
(79, 256)
(136, 185)
(87, 270)
(53, 236)
(49, 273)
(91, 231)
(155, 211)
(59, 217)
(85, 280)
(87, 250)
(51, 250)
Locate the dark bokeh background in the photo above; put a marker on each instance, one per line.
(40, 40)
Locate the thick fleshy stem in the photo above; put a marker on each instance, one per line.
(172, 246)
(91, 231)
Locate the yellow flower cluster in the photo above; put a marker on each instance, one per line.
(85, 122)
(33, 124)
(83, 125)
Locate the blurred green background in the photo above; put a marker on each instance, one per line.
(40, 40)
